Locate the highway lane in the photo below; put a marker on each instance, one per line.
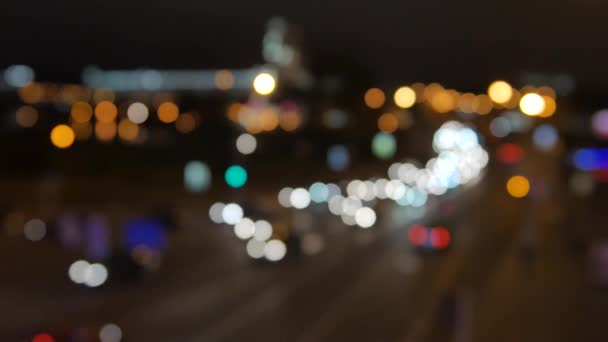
(358, 288)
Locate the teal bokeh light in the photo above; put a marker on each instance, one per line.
(235, 176)
(384, 145)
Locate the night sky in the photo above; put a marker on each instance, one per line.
(460, 43)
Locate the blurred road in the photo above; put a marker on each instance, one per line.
(515, 272)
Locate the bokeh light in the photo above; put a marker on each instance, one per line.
(374, 98)
(500, 127)
(284, 197)
(216, 211)
(32, 93)
(167, 112)
(384, 145)
(338, 158)
(599, 123)
(404, 97)
(26, 116)
(246, 143)
(62, 136)
(365, 217)
(110, 333)
(482, 104)
(439, 237)
(76, 271)
(232, 213)
(185, 123)
(518, 186)
(510, 153)
(299, 198)
(263, 230)
(290, 120)
(138, 112)
(105, 111)
(18, 75)
(197, 176)
(43, 338)
(264, 83)
(417, 235)
(235, 176)
(388, 122)
(244, 229)
(532, 104)
(105, 131)
(255, 248)
(224, 79)
(319, 192)
(81, 112)
(127, 130)
(500, 92)
(34, 230)
(545, 137)
(550, 107)
(95, 275)
(275, 250)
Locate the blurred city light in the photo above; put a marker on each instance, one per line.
(599, 123)
(235, 176)
(77, 269)
(299, 198)
(374, 98)
(18, 75)
(35, 230)
(197, 176)
(81, 112)
(26, 116)
(185, 123)
(167, 112)
(590, 159)
(264, 83)
(43, 338)
(384, 145)
(62, 136)
(244, 229)
(510, 153)
(545, 137)
(532, 104)
(105, 112)
(338, 158)
(365, 217)
(275, 250)
(518, 186)
(216, 211)
(110, 332)
(95, 275)
(404, 97)
(500, 92)
(263, 230)
(388, 122)
(138, 112)
(224, 79)
(246, 143)
(232, 213)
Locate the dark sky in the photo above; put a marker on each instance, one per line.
(458, 42)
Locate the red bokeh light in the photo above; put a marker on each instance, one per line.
(440, 237)
(43, 338)
(601, 175)
(417, 235)
(509, 153)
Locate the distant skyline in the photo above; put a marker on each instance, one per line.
(461, 43)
